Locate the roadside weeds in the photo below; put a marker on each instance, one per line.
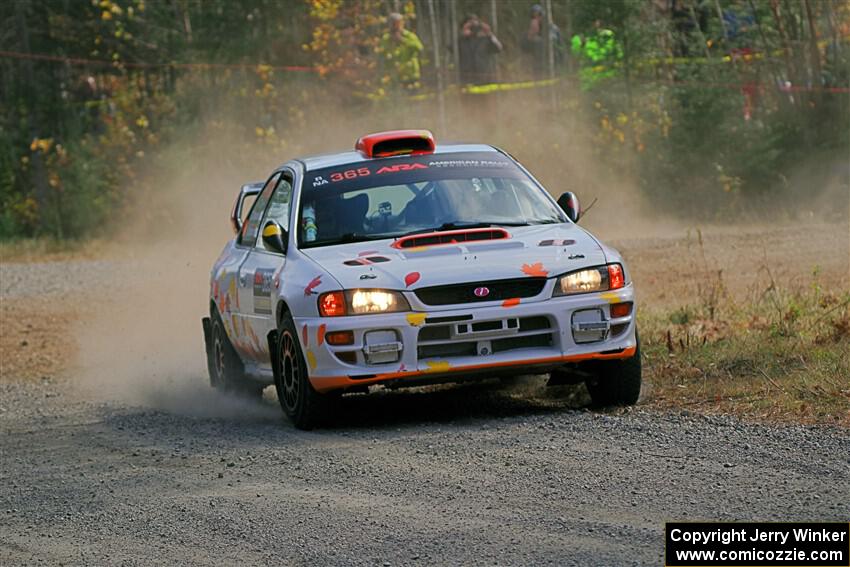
(779, 356)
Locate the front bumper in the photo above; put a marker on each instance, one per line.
(537, 335)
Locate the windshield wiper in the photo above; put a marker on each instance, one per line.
(347, 238)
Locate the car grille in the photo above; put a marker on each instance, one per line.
(436, 341)
(465, 293)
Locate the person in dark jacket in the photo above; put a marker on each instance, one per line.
(477, 49)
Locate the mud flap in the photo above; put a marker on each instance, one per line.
(272, 338)
(208, 346)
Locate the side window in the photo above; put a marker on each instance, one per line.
(281, 200)
(252, 225)
(279, 207)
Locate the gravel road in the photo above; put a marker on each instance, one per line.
(469, 476)
(483, 474)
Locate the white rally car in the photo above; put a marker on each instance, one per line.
(405, 262)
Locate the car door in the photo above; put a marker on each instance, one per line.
(259, 275)
(240, 332)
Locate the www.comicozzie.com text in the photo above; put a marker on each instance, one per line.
(743, 534)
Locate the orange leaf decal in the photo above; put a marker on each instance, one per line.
(534, 270)
(305, 337)
(320, 334)
(513, 302)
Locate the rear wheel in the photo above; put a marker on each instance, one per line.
(303, 405)
(227, 374)
(616, 382)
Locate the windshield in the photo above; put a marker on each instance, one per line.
(393, 197)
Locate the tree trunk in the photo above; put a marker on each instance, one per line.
(435, 35)
(814, 51)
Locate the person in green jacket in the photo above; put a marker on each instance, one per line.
(401, 48)
(598, 55)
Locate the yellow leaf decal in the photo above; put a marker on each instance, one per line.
(416, 319)
(438, 366)
(311, 359)
(611, 297)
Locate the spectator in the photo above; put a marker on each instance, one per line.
(400, 49)
(599, 55)
(477, 48)
(534, 42)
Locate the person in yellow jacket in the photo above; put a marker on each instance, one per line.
(400, 48)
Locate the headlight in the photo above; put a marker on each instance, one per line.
(361, 302)
(375, 301)
(591, 279)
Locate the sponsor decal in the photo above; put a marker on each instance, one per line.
(232, 292)
(468, 163)
(319, 181)
(263, 278)
(401, 167)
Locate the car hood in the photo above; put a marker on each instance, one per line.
(541, 250)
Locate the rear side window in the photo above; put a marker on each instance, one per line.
(248, 236)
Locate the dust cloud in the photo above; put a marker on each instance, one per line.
(142, 342)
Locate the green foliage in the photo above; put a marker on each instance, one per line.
(704, 134)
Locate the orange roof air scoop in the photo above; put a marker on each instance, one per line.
(395, 143)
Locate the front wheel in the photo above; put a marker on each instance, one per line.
(303, 405)
(616, 382)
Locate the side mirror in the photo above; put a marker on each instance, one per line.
(569, 203)
(274, 237)
(247, 190)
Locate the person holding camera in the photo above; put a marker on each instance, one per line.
(477, 48)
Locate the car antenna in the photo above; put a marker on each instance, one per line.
(590, 206)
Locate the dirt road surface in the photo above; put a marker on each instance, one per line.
(145, 465)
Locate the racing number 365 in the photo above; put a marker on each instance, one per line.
(350, 174)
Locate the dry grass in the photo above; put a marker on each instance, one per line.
(49, 249)
(782, 356)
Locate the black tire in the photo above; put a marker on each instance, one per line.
(227, 373)
(616, 382)
(303, 405)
